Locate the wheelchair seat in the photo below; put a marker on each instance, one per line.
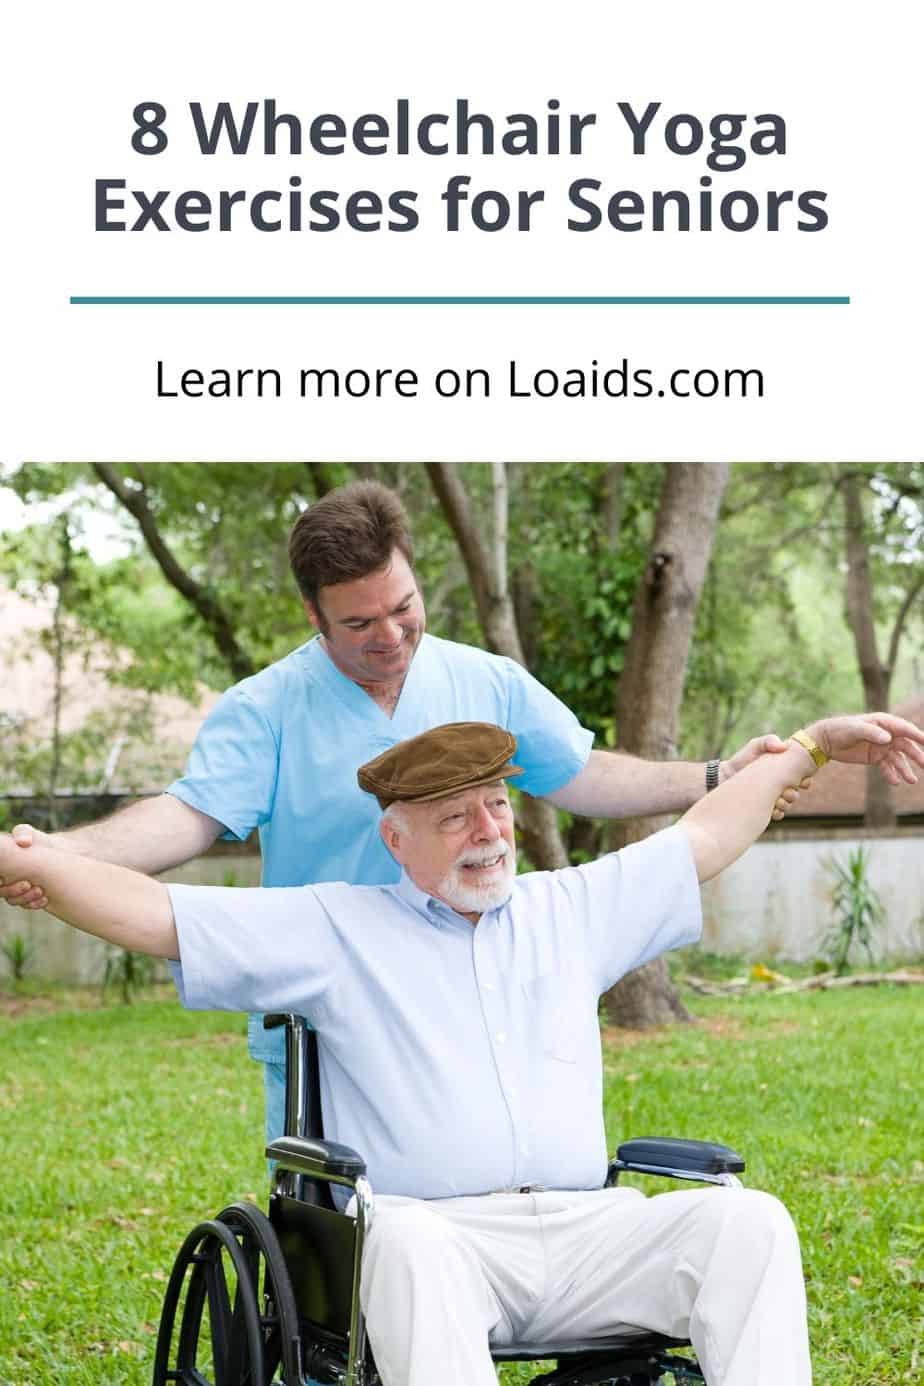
(256, 1300)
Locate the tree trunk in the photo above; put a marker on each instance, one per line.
(62, 581)
(612, 502)
(651, 685)
(487, 574)
(876, 676)
(322, 478)
(216, 619)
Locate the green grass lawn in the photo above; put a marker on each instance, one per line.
(121, 1127)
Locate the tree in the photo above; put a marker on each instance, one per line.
(651, 685)
(892, 497)
(487, 570)
(54, 741)
(756, 664)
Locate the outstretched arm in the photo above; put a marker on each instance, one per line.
(615, 785)
(111, 902)
(151, 835)
(725, 823)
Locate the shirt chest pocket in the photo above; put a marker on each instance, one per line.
(552, 1016)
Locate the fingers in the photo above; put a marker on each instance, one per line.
(790, 796)
(13, 890)
(23, 895)
(895, 762)
(910, 750)
(898, 726)
(896, 769)
(907, 771)
(753, 750)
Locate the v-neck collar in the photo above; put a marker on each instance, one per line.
(356, 698)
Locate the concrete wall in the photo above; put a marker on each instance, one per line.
(775, 903)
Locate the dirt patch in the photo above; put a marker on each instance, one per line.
(219, 1041)
(727, 1027)
(15, 1007)
(24, 1004)
(722, 1026)
(784, 1027)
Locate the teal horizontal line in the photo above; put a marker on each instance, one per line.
(376, 300)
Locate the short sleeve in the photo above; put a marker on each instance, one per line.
(630, 906)
(261, 949)
(233, 767)
(552, 746)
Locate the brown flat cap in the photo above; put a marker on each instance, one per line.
(440, 762)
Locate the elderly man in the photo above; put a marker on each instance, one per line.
(460, 1055)
(281, 749)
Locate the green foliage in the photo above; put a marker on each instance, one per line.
(755, 664)
(586, 579)
(571, 581)
(18, 951)
(128, 972)
(858, 910)
(771, 647)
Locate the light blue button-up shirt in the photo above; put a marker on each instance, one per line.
(456, 1059)
(280, 752)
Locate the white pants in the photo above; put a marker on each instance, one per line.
(442, 1279)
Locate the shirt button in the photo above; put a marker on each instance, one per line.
(488, 986)
(501, 1036)
(524, 1149)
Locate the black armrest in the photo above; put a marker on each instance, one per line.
(677, 1159)
(317, 1159)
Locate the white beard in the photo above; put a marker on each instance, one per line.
(465, 893)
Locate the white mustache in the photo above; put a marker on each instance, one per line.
(484, 854)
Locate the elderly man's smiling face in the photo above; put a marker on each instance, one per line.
(460, 849)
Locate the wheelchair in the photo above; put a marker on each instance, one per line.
(257, 1300)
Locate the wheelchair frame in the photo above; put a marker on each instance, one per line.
(295, 1306)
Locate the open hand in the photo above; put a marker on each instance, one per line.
(15, 889)
(895, 745)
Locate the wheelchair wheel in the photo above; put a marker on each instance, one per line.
(229, 1316)
(269, 1277)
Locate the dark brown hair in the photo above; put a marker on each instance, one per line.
(348, 534)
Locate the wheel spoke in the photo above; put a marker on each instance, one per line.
(191, 1376)
(238, 1355)
(220, 1318)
